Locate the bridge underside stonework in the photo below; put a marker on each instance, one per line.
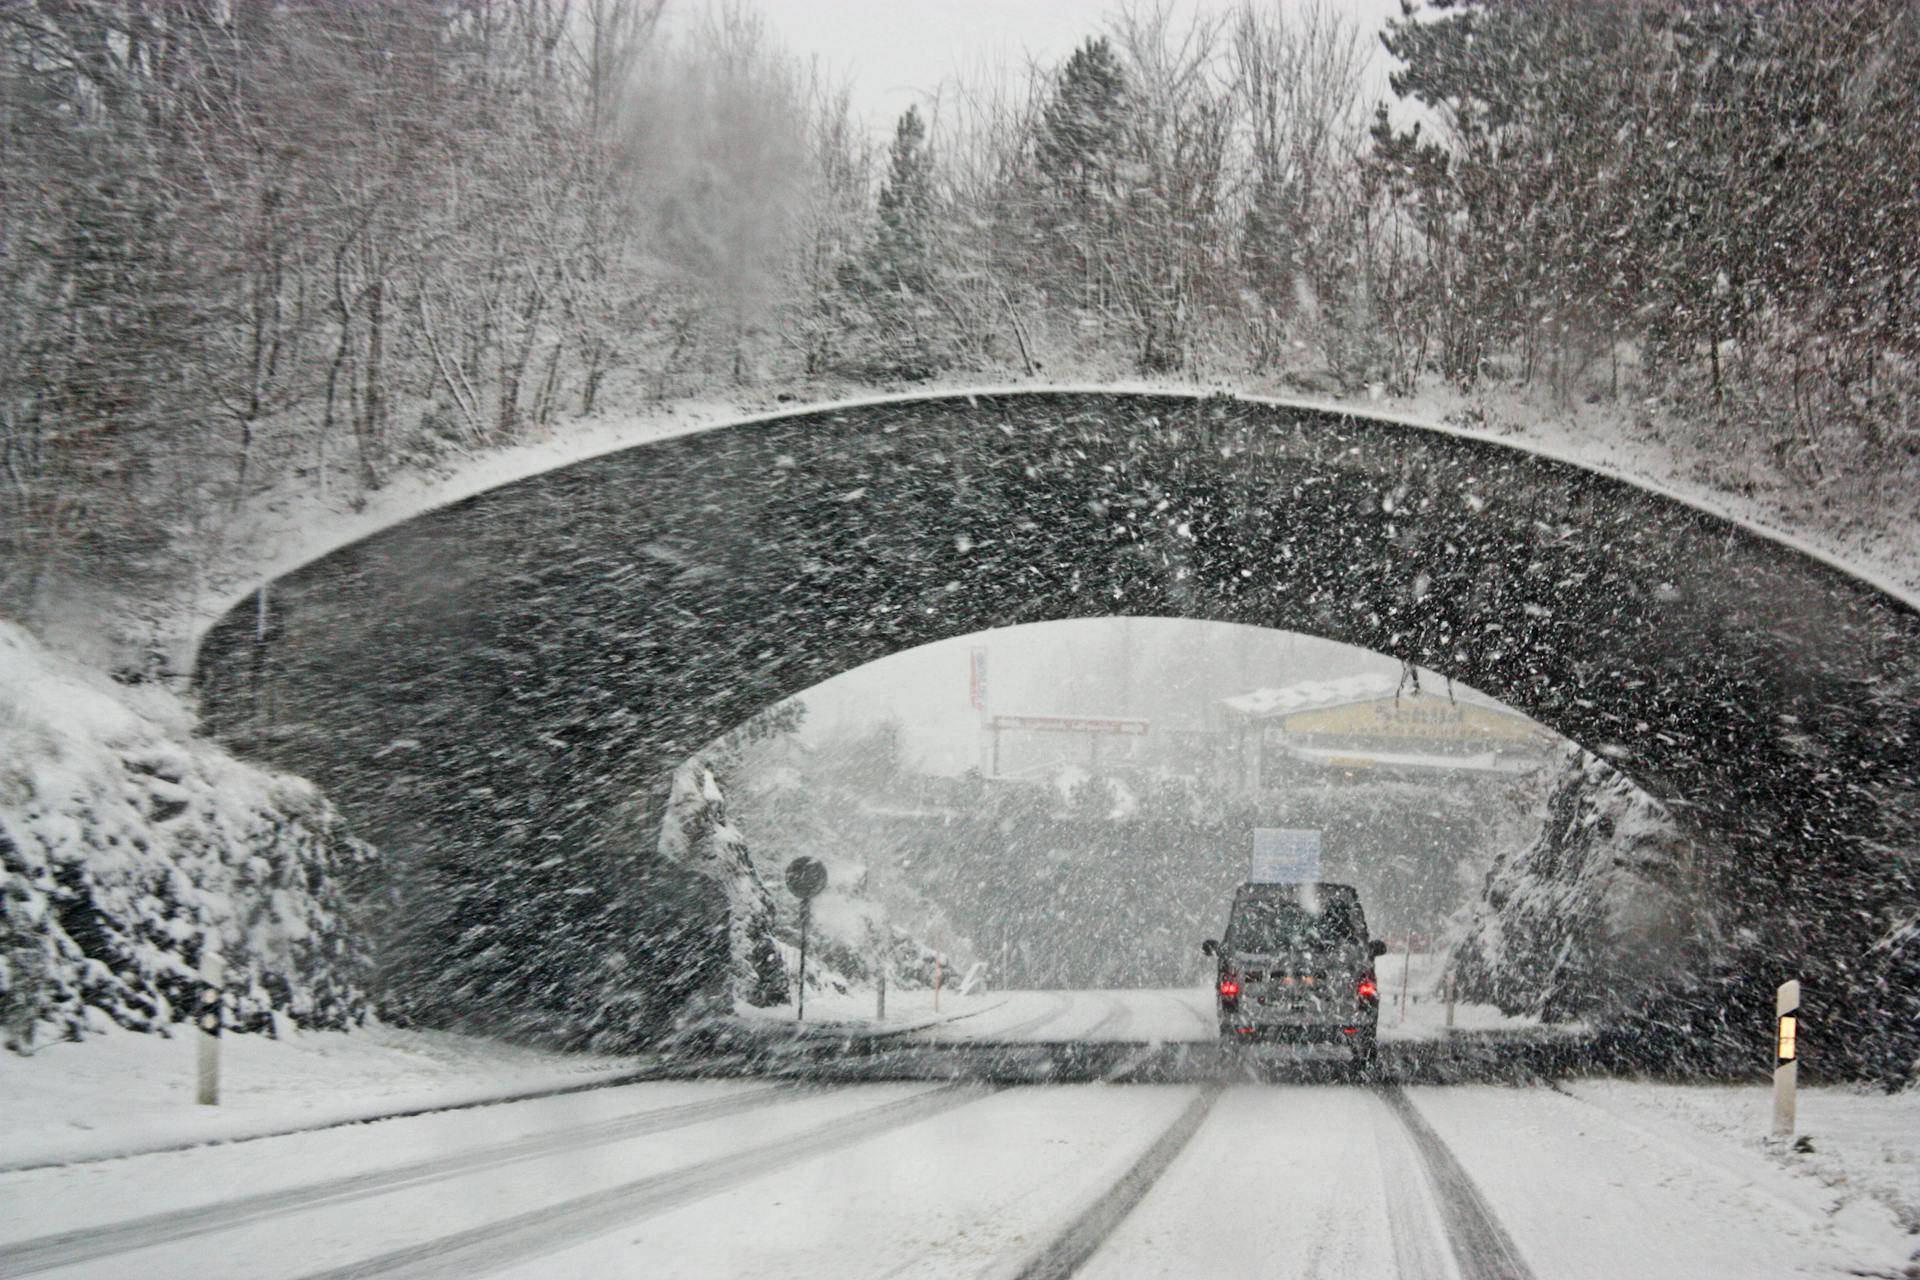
(496, 686)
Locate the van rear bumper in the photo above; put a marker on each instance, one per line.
(1297, 1033)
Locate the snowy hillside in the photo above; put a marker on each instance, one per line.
(128, 845)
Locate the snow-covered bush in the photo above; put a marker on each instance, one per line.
(127, 845)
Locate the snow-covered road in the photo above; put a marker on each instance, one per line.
(1080, 1016)
(768, 1179)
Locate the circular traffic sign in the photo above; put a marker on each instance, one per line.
(806, 877)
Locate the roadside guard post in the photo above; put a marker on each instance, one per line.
(1786, 1056)
(806, 877)
(213, 972)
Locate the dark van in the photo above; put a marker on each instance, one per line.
(1297, 964)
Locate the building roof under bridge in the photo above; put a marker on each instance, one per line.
(1378, 723)
(1310, 695)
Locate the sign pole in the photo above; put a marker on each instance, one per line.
(1786, 1056)
(806, 877)
(1405, 971)
(806, 918)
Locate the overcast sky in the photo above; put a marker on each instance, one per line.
(893, 53)
(1164, 670)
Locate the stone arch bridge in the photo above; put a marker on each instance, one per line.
(485, 689)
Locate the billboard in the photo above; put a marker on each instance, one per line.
(1073, 724)
(1285, 855)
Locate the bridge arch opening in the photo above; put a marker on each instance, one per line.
(1072, 804)
(487, 680)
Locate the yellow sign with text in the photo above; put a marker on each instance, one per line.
(1435, 719)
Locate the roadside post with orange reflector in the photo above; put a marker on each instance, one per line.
(1786, 1056)
(213, 974)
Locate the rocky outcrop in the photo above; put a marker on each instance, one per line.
(129, 849)
(1603, 906)
(696, 835)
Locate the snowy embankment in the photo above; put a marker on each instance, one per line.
(1633, 1178)
(129, 848)
(1861, 1145)
(121, 1093)
(855, 1013)
(1414, 1004)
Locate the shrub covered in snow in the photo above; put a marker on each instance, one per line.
(127, 845)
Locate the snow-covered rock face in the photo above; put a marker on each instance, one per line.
(696, 835)
(546, 648)
(128, 846)
(1603, 906)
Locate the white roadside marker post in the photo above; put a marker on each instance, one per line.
(213, 972)
(1786, 1056)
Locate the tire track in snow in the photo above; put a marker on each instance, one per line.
(1415, 1222)
(1481, 1247)
(528, 1235)
(1067, 1252)
(44, 1253)
(1111, 1023)
(1057, 1005)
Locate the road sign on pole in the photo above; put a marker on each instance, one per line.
(1786, 1056)
(806, 877)
(1284, 855)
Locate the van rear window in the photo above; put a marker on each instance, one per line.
(1281, 925)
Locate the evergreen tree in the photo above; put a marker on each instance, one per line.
(896, 279)
(1081, 131)
(902, 257)
(1077, 153)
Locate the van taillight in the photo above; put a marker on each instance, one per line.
(1368, 989)
(1230, 988)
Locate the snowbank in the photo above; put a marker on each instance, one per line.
(1862, 1145)
(121, 1094)
(126, 845)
